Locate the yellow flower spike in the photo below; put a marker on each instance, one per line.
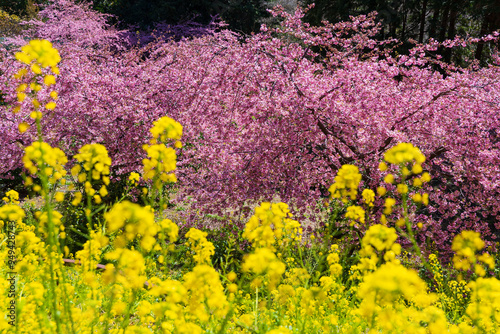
(417, 198)
(23, 127)
(75, 170)
(355, 214)
(178, 144)
(166, 128)
(55, 70)
(346, 183)
(77, 198)
(404, 153)
(36, 104)
(134, 178)
(382, 166)
(16, 109)
(54, 95)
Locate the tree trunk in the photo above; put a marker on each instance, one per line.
(451, 33)
(422, 22)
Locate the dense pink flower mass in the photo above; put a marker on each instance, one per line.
(279, 112)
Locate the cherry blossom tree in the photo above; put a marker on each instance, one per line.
(278, 112)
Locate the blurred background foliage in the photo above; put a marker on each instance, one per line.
(406, 20)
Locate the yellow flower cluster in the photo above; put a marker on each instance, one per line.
(55, 219)
(11, 212)
(166, 128)
(333, 260)
(169, 229)
(40, 53)
(484, 309)
(206, 295)
(368, 197)
(11, 196)
(355, 214)
(465, 245)
(129, 269)
(408, 160)
(90, 255)
(262, 262)
(134, 178)
(202, 248)
(390, 286)
(161, 159)
(96, 163)
(40, 158)
(404, 153)
(346, 183)
(136, 221)
(271, 224)
(377, 246)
